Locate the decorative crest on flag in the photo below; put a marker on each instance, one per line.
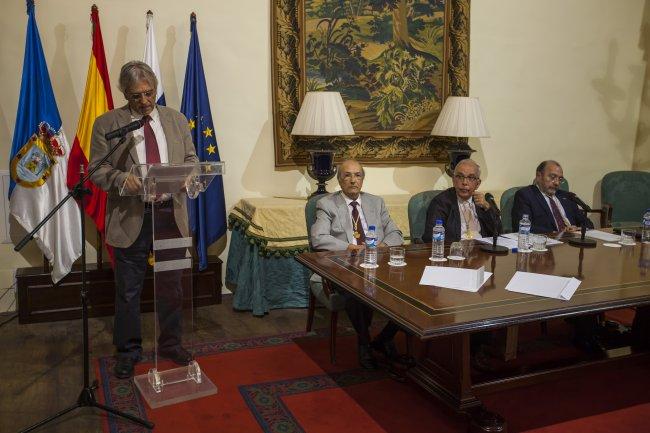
(32, 164)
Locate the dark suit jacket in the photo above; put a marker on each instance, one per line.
(529, 200)
(444, 206)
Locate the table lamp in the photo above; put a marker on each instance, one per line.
(460, 117)
(322, 114)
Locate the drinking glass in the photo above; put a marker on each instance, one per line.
(456, 251)
(397, 255)
(539, 242)
(627, 237)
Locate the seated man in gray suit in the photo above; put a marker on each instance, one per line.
(342, 219)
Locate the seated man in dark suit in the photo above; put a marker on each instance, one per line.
(548, 207)
(465, 213)
(342, 219)
(550, 210)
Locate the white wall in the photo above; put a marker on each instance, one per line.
(558, 79)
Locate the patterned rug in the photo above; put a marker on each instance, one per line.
(285, 383)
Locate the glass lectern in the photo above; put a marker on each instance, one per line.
(165, 189)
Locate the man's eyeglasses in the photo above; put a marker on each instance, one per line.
(461, 178)
(148, 94)
(555, 178)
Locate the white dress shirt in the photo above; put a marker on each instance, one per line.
(463, 224)
(361, 217)
(138, 136)
(559, 206)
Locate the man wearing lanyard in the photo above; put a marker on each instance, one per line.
(342, 219)
(164, 138)
(464, 212)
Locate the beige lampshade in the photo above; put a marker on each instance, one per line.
(322, 114)
(461, 116)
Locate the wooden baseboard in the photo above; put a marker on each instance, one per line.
(38, 300)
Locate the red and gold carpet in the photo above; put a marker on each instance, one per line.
(285, 383)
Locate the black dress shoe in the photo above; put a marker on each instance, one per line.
(366, 360)
(386, 348)
(124, 367)
(177, 354)
(590, 344)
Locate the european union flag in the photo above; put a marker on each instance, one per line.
(207, 214)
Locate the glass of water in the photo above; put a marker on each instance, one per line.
(539, 242)
(627, 237)
(456, 251)
(397, 256)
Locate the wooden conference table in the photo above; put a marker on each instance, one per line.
(444, 319)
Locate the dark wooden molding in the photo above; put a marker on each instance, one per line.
(38, 300)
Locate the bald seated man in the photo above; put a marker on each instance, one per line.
(342, 219)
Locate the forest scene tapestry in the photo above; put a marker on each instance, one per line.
(393, 61)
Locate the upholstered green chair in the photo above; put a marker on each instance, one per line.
(417, 212)
(627, 194)
(320, 289)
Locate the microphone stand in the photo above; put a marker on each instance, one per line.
(582, 242)
(494, 248)
(87, 395)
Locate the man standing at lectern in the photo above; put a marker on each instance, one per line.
(163, 138)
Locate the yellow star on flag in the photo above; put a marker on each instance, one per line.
(192, 124)
(208, 132)
(211, 149)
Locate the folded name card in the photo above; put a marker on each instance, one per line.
(549, 286)
(467, 280)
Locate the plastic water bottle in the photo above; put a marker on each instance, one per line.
(523, 240)
(438, 242)
(645, 234)
(370, 253)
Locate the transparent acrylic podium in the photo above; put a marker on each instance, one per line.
(164, 189)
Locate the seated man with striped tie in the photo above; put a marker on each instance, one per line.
(550, 210)
(342, 219)
(548, 207)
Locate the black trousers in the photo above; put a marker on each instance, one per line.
(130, 268)
(360, 316)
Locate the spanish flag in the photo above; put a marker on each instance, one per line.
(97, 100)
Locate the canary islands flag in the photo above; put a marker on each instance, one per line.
(207, 214)
(39, 159)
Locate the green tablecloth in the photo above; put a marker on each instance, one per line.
(266, 234)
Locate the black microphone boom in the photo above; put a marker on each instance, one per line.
(574, 198)
(490, 199)
(121, 132)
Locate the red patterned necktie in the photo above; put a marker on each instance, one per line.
(150, 142)
(357, 227)
(559, 221)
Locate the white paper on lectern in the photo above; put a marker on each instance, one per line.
(467, 280)
(603, 236)
(549, 241)
(549, 286)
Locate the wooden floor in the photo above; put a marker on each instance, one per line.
(41, 364)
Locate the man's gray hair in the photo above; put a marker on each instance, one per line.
(339, 173)
(471, 163)
(134, 72)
